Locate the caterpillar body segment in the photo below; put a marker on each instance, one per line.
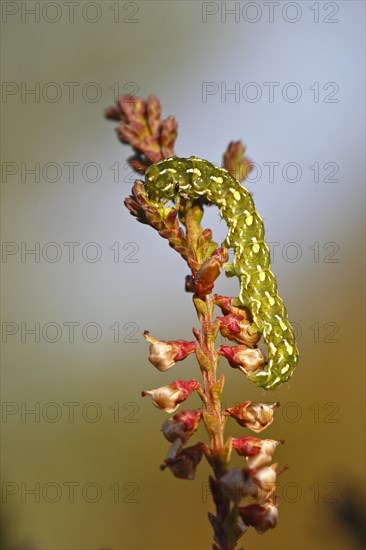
(193, 178)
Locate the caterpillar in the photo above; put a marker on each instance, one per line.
(193, 178)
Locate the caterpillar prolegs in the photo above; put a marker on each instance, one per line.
(194, 178)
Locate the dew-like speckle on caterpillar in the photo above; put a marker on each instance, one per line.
(194, 178)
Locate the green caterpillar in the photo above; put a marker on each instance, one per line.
(195, 177)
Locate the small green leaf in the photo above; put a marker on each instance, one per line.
(200, 306)
(210, 423)
(226, 451)
(213, 331)
(217, 388)
(203, 360)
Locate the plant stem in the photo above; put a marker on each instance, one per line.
(209, 376)
(224, 526)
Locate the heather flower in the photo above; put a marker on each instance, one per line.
(243, 358)
(182, 425)
(261, 516)
(259, 484)
(246, 446)
(258, 452)
(163, 355)
(264, 482)
(168, 398)
(264, 457)
(185, 462)
(255, 416)
(235, 327)
(204, 280)
(228, 304)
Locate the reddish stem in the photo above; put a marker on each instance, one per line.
(224, 530)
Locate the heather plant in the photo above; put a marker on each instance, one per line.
(171, 199)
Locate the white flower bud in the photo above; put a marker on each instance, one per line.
(165, 398)
(261, 517)
(182, 425)
(255, 416)
(251, 359)
(163, 355)
(169, 397)
(269, 520)
(264, 482)
(264, 457)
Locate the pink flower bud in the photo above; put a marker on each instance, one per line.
(209, 271)
(257, 452)
(228, 304)
(235, 327)
(261, 516)
(163, 355)
(185, 462)
(169, 397)
(206, 276)
(182, 425)
(246, 446)
(255, 416)
(243, 358)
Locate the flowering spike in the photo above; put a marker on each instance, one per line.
(141, 126)
(190, 184)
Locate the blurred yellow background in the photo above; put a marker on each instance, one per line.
(82, 470)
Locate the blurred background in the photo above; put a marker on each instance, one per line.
(82, 279)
